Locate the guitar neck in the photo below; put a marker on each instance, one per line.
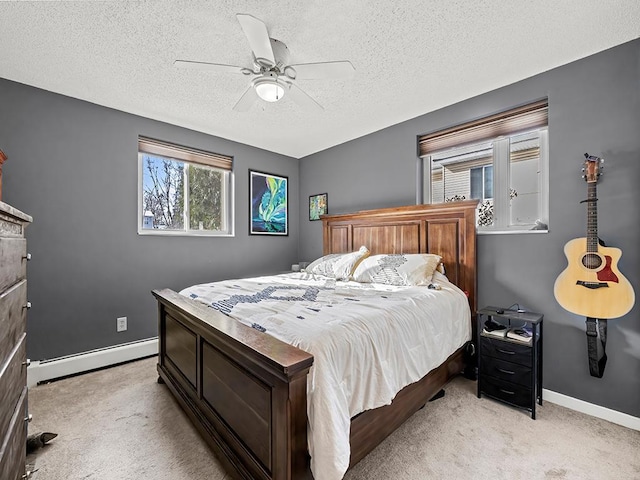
(592, 218)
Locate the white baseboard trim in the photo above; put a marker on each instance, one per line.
(40, 371)
(572, 403)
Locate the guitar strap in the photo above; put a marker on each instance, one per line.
(596, 326)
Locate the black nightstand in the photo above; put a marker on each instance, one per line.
(511, 370)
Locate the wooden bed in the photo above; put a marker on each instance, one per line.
(246, 391)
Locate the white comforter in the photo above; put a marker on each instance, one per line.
(368, 342)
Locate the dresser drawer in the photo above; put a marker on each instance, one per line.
(511, 372)
(509, 351)
(13, 318)
(14, 266)
(13, 378)
(13, 449)
(507, 391)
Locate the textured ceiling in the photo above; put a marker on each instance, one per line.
(411, 57)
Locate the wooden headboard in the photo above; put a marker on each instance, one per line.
(446, 229)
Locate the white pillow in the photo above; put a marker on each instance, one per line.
(338, 265)
(398, 269)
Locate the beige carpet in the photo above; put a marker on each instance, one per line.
(119, 423)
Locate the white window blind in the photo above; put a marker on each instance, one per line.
(520, 119)
(192, 155)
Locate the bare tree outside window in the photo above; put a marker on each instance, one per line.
(163, 191)
(165, 182)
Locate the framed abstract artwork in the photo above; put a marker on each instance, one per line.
(268, 204)
(317, 206)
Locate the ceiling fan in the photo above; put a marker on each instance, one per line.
(273, 77)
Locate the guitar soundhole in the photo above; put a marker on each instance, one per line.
(591, 261)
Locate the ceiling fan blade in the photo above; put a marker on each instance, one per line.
(303, 99)
(258, 36)
(211, 66)
(247, 99)
(308, 71)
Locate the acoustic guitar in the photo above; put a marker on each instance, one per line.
(592, 285)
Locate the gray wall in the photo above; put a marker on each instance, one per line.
(73, 166)
(594, 107)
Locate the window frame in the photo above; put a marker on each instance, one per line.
(495, 129)
(502, 185)
(221, 163)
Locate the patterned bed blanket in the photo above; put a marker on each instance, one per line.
(368, 341)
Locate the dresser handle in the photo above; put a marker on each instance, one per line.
(27, 363)
(507, 391)
(508, 372)
(27, 257)
(507, 352)
(27, 306)
(28, 418)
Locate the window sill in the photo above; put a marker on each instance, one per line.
(508, 232)
(196, 233)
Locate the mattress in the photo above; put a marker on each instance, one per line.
(368, 341)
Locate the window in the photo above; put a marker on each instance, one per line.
(501, 160)
(482, 182)
(183, 191)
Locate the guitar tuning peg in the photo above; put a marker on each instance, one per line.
(583, 169)
(583, 176)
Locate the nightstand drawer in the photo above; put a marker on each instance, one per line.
(511, 372)
(507, 391)
(509, 351)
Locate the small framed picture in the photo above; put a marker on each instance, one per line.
(268, 204)
(317, 206)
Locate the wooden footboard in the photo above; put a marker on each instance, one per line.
(245, 391)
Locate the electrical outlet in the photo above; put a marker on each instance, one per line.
(121, 324)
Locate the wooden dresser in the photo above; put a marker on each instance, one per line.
(13, 342)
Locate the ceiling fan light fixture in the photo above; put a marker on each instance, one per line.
(269, 90)
(271, 75)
